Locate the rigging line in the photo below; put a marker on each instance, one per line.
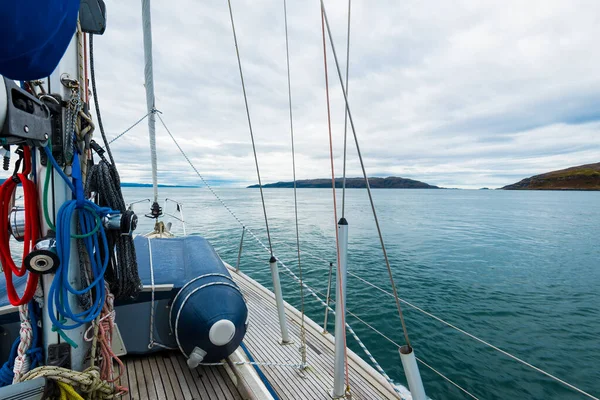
(250, 231)
(386, 338)
(480, 340)
(97, 105)
(262, 196)
(348, 327)
(287, 53)
(337, 241)
(389, 340)
(260, 242)
(130, 128)
(346, 112)
(418, 359)
(385, 256)
(447, 379)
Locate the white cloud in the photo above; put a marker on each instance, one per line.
(461, 94)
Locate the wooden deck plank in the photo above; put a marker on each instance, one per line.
(290, 378)
(211, 380)
(141, 380)
(204, 387)
(168, 379)
(316, 386)
(151, 383)
(230, 386)
(189, 392)
(323, 362)
(318, 381)
(166, 376)
(133, 389)
(174, 378)
(157, 378)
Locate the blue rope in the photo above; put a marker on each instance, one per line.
(6, 372)
(262, 376)
(90, 221)
(35, 352)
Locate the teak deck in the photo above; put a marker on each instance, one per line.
(166, 375)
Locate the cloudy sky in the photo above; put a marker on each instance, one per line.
(464, 93)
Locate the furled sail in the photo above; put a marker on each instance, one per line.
(35, 35)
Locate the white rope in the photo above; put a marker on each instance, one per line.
(152, 307)
(22, 361)
(258, 364)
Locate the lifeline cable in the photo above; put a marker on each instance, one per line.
(31, 229)
(337, 241)
(287, 53)
(262, 196)
(346, 112)
(368, 186)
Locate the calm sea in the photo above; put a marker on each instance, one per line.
(520, 270)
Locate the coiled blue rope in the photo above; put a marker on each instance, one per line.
(90, 222)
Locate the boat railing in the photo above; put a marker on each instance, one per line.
(443, 321)
(313, 293)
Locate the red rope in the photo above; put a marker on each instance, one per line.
(337, 243)
(31, 231)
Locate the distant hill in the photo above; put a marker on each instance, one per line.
(583, 177)
(391, 182)
(133, 184)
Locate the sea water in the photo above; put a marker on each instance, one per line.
(518, 269)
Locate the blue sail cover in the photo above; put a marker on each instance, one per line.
(34, 35)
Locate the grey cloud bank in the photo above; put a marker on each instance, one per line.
(467, 94)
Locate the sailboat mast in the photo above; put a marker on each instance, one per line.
(149, 84)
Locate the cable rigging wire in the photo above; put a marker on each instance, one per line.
(337, 242)
(385, 256)
(104, 178)
(287, 53)
(346, 112)
(262, 196)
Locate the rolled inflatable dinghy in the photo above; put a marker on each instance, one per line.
(204, 314)
(208, 317)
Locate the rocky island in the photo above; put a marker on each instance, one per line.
(583, 177)
(391, 182)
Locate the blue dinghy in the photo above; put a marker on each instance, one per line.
(203, 313)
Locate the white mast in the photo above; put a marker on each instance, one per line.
(149, 84)
(67, 68)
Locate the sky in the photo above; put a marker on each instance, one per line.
(464, 94)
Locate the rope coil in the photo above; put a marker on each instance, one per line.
(7, 191)
(88, 381)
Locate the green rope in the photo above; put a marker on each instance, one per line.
(47, 213)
